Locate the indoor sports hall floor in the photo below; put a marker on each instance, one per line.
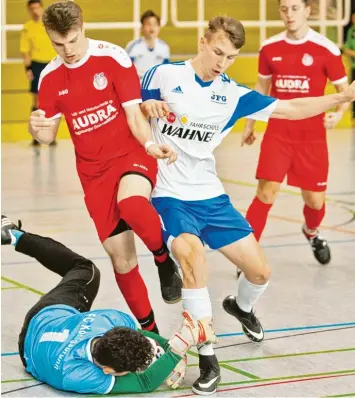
(308, 312)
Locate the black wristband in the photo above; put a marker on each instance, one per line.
(28, 67)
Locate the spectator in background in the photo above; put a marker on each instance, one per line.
(349, 49)
(149, 50)
(36, 49)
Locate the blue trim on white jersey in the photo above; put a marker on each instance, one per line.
(133, 44)
(201, 82)
(166, 61)
(151, 94)
(248, 104)
(148, 76)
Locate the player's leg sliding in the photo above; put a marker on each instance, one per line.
(320, 247)
(51, 254)
(140, 215)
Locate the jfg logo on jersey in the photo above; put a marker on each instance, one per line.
(218, 99)
(100, 81)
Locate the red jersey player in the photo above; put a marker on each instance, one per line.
(96, 87)
(296, 63)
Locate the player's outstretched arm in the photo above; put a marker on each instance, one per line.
(263, 87)
(303, 108)
(41, 128)
(332, 118)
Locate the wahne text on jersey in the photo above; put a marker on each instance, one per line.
(188, 134)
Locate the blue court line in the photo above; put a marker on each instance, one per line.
(9, 354)
(334, 242)
(331, 325)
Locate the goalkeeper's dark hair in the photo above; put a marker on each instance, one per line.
(124, 350)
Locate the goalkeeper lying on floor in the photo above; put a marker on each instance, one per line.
(66, 345)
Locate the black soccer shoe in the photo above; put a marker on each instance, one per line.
(170, 280)
(250, 323)
(6, 226)
(319, 245)
(210, 375)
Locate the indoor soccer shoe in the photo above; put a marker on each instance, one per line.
(7, 238)
(320, 248)
(210, 375)
(170, 281)
(250, 323)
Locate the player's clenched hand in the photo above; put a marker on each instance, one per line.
(155, 109)
(39, 122)
(248, 136)
(192, 333)
(162, 151)
(177, 376)
(331, 119)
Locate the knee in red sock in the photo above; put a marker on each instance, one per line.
(141, 216)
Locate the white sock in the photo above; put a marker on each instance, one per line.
(198, 303)
(248, 293)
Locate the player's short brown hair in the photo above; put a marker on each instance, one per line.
(149, 14)
(62, 17)
(230, 26)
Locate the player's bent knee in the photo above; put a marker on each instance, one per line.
(315, 204)
(188, 250)
(122, 265)
(259, 275)
(267, 191)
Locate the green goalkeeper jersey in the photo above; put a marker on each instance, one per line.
(152, 377)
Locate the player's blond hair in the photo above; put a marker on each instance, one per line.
(61, 17)
(230, 26)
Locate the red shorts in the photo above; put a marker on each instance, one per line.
(306, 165)
(101, 191)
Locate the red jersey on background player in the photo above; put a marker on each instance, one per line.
(296, 63)
(96, 87)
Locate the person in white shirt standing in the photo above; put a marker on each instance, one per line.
(193, 105)
(148, 50)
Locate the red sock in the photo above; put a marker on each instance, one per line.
(313, 217)
(141, 216)
(257, 216)
(135, 293)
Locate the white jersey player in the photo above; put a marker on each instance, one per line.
(149, 50)
(193, 106)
